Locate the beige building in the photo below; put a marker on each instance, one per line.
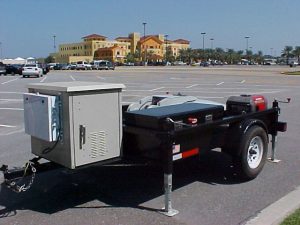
(96, 46)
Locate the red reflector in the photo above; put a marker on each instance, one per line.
(192, 120)
(190, 153)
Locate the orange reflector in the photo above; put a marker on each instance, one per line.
(190, 153)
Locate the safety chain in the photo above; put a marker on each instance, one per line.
(13, 185)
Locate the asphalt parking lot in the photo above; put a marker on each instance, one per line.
(204, 193)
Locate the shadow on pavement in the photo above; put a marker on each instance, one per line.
(113, 186)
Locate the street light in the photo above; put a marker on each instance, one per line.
(145, 50)
(203, 34)
(0, 50)
(212, 43)
(166, 41)
(54, 45)
(271, 52)
(247, 37)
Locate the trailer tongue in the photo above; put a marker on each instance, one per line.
(81, 129)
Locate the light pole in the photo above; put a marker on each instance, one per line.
(247, 37)
(166, 41)
(54, 44)
(145, 50)
(0, 50)
(203, 34)
(212, 43)
(271, 52)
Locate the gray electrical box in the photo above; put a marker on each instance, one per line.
(88, 125)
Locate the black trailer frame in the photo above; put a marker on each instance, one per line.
(221, 131)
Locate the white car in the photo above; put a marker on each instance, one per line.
(32, 70)
(82, 65)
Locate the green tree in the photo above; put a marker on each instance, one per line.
(230, 55)
(49, 59)
(287, 53)
(259, 57)
(296, 52)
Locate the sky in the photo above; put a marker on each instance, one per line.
(27, 27)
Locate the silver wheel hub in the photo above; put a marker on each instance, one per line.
(255, 152)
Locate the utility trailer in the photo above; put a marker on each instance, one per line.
(78, 124)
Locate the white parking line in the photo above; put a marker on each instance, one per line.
(72, 78)
(10, 92)
(155, 89)
(194, 85)
(43, 79)
(8, 126)
(10, 81)
(11, 100)
(102, 78)
(220, 83)
(243, 81)
(16, 109)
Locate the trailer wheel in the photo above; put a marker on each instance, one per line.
(253, 150)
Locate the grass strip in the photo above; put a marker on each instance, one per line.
(292, 73)
(293, 219)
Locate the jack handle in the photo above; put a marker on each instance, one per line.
(276, 101)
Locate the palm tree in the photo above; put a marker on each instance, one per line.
(259, 57)
(287, 53)
(230, 52)
(296, 52)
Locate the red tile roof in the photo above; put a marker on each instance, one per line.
(147, 37)
(182, 41)
(123, 38)
(94, 36)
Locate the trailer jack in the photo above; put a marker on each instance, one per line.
(168, 210)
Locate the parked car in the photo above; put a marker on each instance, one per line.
(95, 64)
(73, 66)
(58, 66)
(45, 68)
(66, 66)
(14, 69)
(106, 65)
(2, 68)
(179, 63)
(294, 64)
(82, 65)
(129, 64)
(32, 70)
(204, 64)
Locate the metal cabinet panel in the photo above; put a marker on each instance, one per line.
(96, 127)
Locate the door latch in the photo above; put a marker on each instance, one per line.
(81, 136)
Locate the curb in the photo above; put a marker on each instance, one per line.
(275, 213)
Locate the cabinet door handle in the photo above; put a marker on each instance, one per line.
(81, 136)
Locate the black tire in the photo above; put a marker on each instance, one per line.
(253, 149)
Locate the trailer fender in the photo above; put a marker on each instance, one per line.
(235, 133)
